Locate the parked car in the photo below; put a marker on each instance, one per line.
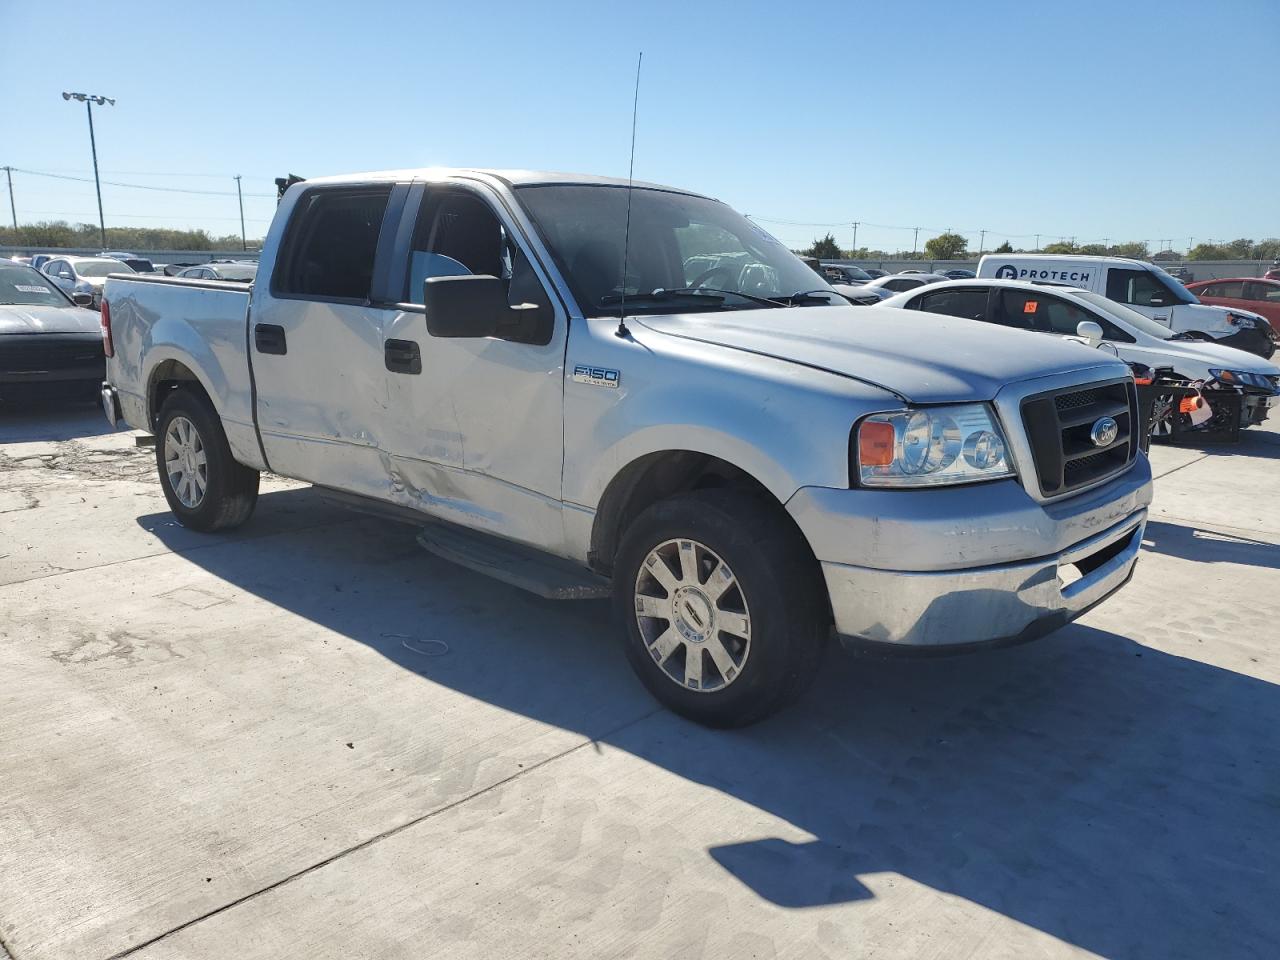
(1143, 286)
(861, 295)
(83, 274)
(710, 438)
(1134, 337)
(898, 282)
(958, 273)
(138, 264)
(38, 260)
(845, 273)
(240, 271)
(1182, 274)
(1242, 293)
(173, 269)
(49, 344)
(1273, 273)
(875, 273)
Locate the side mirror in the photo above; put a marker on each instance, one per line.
(1090, 331)
(472, 306)
(81, 299)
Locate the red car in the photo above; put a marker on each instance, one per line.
(1245, 293)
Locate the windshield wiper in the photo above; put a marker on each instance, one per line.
(808, 296)
(704, 294)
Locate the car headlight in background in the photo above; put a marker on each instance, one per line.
(1238, 378)
(931, 446)
(1241, 321)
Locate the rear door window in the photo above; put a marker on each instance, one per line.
(1266, 292)
(330, 244)
(1019, 309)
(967, 302)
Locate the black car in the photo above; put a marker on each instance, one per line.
(50, 344)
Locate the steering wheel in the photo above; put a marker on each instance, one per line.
(708, 274)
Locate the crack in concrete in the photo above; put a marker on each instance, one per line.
(376, 838)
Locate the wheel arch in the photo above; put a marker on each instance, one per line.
(657, 476)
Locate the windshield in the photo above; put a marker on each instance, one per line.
(1179, 292)
(686, 254)
(100, 268)
(1130, 316)
(22, 285)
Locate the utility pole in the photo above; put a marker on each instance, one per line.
(8, 172)
(1037, 243)
(89, 100)
(915, 243)
(855, 238)
(982, 239)
(244, 244)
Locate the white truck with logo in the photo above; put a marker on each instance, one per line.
(1140, 285)
(682, 416)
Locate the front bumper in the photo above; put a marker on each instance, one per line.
(1032, 567)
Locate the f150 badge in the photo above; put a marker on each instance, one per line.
(596, 376)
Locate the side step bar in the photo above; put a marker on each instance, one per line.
(551, 577)
(513, 563)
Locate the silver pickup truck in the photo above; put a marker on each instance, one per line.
(676, 412)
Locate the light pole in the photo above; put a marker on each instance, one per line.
(8, 172)
(244, 244)
(89, 99)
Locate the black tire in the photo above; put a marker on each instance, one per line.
(231, 489)
(780, 585)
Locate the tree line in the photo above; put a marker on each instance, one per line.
(59, 233)
(953, 246)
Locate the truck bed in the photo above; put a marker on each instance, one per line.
(184, 329)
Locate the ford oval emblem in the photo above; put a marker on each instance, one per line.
(1104, 432)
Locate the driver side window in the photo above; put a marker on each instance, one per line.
(458, 234)
(1140, 288)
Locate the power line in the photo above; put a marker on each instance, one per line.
(141, 186)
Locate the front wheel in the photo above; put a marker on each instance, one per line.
(722, 606)
(206, 488)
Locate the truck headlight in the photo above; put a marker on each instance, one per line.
(1241, 321)
(930, 446)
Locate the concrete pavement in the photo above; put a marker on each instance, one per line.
(311, 739)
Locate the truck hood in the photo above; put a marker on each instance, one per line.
(21, 318)
(1212, 313)
(923, 359)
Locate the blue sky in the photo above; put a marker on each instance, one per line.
(1094, 120)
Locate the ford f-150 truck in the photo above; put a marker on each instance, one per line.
(584, 388)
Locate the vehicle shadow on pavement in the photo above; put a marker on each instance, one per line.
(1110, 795)
(27, 421)
(1209, 546)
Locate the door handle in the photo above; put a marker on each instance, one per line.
(403, 356)
(269, 338)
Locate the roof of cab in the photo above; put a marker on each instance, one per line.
(1057, 257)
(513, 178)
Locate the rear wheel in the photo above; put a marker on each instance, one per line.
(205, 486)
(722, 606)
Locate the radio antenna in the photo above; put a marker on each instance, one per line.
(622, 330)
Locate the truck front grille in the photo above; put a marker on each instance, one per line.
(1060, 427)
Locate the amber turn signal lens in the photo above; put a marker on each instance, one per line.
(875, 444)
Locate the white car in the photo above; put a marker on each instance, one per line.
(1144, 287)
(1130, 335)
(83, 274)
(900, 282)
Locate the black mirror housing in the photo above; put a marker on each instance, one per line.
(466, 306)
(81, 299)
(476, 306)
